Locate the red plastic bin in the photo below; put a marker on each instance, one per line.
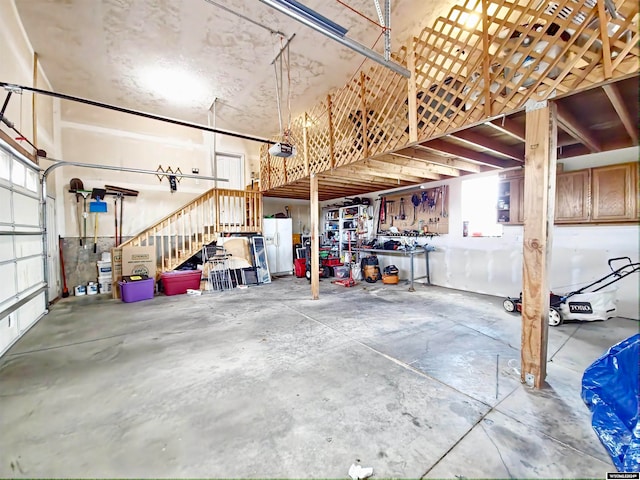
(179, 281)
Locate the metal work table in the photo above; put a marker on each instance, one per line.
(405, 253)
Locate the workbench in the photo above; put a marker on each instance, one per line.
(406, 253)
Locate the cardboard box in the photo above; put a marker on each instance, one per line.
(139, 261)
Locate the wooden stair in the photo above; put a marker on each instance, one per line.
(182, 233)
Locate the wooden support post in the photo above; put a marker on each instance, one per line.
(485, 58)
(539, 202)
(365, 115)
(305, 144)
(34, 113)
(331, 141)
(412, 91)
(315, 247)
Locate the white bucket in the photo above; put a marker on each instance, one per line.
(80, 290)
(92, 288)
(106, 256)
(104, 284)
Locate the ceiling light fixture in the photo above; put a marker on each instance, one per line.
(321, 24)
(177, 85)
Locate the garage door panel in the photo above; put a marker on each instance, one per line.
(21, 246)
(27, 209)
(6, 249)
(28, 245)
(9, 331)
(5, 165)
(30, 312)
(18, 173)
(8, 274)
(5, 199)
(30, 273)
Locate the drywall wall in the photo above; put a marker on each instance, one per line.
(17, 67)
(103, 137)
(493, 265)
(299, 212)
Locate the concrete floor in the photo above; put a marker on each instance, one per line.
(265, 382)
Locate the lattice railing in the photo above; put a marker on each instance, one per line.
(181, 234)
(470, 65)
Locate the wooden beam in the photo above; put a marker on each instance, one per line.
(486, 61)
(315, 244)
(403, 166)
(539, 202)
(365, 115)
(630, 125)
(509, 127)
(332, 162)
(468, 154)
(305, 144)
(422, 153)
(574, 128)
(34, 110)
(412, 91)
(368, 172)
(426, 168)
(604, 37)
(482, 141)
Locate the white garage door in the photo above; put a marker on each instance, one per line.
(22, 284)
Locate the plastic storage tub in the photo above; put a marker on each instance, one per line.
(341, 271)
(177, 282)
(137, 291)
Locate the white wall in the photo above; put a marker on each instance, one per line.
(299, 212)
(103, 137)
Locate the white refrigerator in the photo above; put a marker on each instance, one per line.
(278, 240)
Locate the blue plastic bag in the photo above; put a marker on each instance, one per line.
(610, 390)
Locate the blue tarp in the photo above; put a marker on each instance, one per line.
(610, 390)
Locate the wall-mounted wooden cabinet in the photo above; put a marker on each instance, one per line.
(614, 190)
(510, 204)
(572, 197)
(593, 195)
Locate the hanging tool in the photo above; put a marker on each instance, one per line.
(402, 215)
(65, 290)
(383, 210)
(444, 199)
(75, 185)
(424, 199)
(97, 206)
(120, 192)
(390, 210)
(415, 199)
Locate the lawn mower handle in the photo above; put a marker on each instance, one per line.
(611, 260)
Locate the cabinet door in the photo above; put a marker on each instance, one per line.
(614, 192)
(572, 197)
(517, 200)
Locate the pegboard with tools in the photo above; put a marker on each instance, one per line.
(419, 212)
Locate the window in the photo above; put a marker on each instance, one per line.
(479, 199)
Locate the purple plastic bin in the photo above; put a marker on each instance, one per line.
(137, 291)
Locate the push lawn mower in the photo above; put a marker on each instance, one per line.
(588, 303)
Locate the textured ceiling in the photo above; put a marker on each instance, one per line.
(173, 57)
